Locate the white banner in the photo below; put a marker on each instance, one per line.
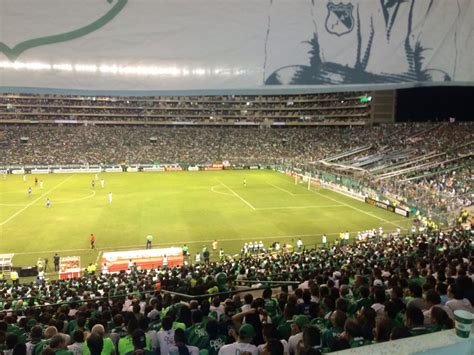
(138, 254)
(40, 171)
(178, 46)
(72, 170)
(154, 169)
(113, 170)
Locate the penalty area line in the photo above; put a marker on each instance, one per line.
(357, 209)
(236, 195)
(34, 201)
(281, 189)
(297, 207)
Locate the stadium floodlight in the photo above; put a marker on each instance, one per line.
(63, 67)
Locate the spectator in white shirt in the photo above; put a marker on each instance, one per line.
(246, 335)
(299, 322)
(76, 347)
(35, 335)
(166, 336)
(457, 300)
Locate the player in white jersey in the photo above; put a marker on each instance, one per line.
(41, 184)
(48, 203)
(24, 178)
(110, 197)
(102, 183)
(29, 191)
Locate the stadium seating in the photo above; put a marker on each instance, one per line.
(427, 165)
(331, 108)
(340, 295)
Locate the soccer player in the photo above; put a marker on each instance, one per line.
(92, 240)
(245, 182)
(149, 239)
(221, 254)
(96, 177)
(29, 191)
(102, 183)
(41, 184)
(214, 245)
(36, 181)
(325, 240)
(24, 178)
(198, 258)
(93, 184)
(48, 203)
(110, 197)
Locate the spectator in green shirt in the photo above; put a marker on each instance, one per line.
(108, 347)
(149, 240)
(95, 344)
(216, 340)
(338, 319)
(125, 344)
(197, 335)
(284, 328)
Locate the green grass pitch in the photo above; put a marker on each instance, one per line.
(177, 208)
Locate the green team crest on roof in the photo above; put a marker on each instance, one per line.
(14, 51)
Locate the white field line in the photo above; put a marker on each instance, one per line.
(296, 207)
(98, 257)
(56, 202)
(354, 208)
(219, 192)
(281, 189)
(357, 209)
(179, 243)
(236, 195)
(34, 201)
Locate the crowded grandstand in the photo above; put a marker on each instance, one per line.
(235, 178)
